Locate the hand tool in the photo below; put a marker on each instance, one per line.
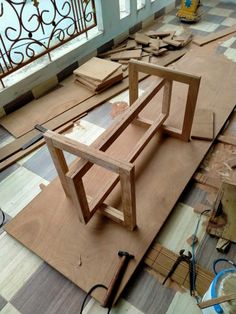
(183, 258)
(125, 257)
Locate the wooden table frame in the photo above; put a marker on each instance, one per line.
(71, 178)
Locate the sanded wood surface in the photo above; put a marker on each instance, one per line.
(49, 225)
(14, 147)
(44, 109)
(203, 124)
(97, 69)
(200, 41)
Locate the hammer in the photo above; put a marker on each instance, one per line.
(125, 257)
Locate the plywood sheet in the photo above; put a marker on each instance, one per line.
(97, 69)
(203, 124)
(200, 41)
(88, 254)
(45, 108)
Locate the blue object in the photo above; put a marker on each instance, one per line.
(217, 307)
(188, 3)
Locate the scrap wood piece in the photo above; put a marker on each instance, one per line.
(223, 245)
(160, 259)
(97, 86)
(129, 54)
(159, 52)
(141, 38)
(131, 44)
(153, 33)
(203, 124)
(172, 42)
(154, 43)
(227, 139)
(97, 69)
(200, 41)
(222, 222)
(207, 180)
(218, 300)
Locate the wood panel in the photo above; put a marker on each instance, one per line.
(49, 225)
(45, 108)
(97, 69)
(203, 124)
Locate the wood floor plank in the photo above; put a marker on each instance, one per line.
(147, 294)
(183, 303)
(48, 292)
(17, 264)
(12, 198)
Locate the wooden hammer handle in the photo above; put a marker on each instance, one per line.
(115, 282)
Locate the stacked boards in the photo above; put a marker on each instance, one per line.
(98, 74)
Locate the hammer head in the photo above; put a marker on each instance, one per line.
(126, 254)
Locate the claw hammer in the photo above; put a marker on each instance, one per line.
(125, 257)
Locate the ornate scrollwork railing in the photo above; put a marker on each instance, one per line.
(32, 28)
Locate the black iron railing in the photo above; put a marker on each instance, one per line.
(32, 28)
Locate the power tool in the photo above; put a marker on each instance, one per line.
(189, 11)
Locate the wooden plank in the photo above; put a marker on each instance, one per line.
(129, 54)
(44, 109)
(219, 300)
(97, 69)
(141, 38)
(200, 41)
(156, 33)
(227, 139)
(171, 42)
(207, 180)
(203, 125)
(57, 223)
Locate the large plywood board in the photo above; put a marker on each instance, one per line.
(45, 108)
(87, 255)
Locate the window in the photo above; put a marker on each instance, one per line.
(124, 8)
(140, 4)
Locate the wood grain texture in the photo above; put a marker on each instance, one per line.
(45, 108)
(203, 125)
(58, 246)
(97, 69)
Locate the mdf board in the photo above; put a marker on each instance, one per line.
(203, 124)
(87, 255)
(45, 108)
(97, 69)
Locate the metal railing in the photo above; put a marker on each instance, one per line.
(31, 29)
